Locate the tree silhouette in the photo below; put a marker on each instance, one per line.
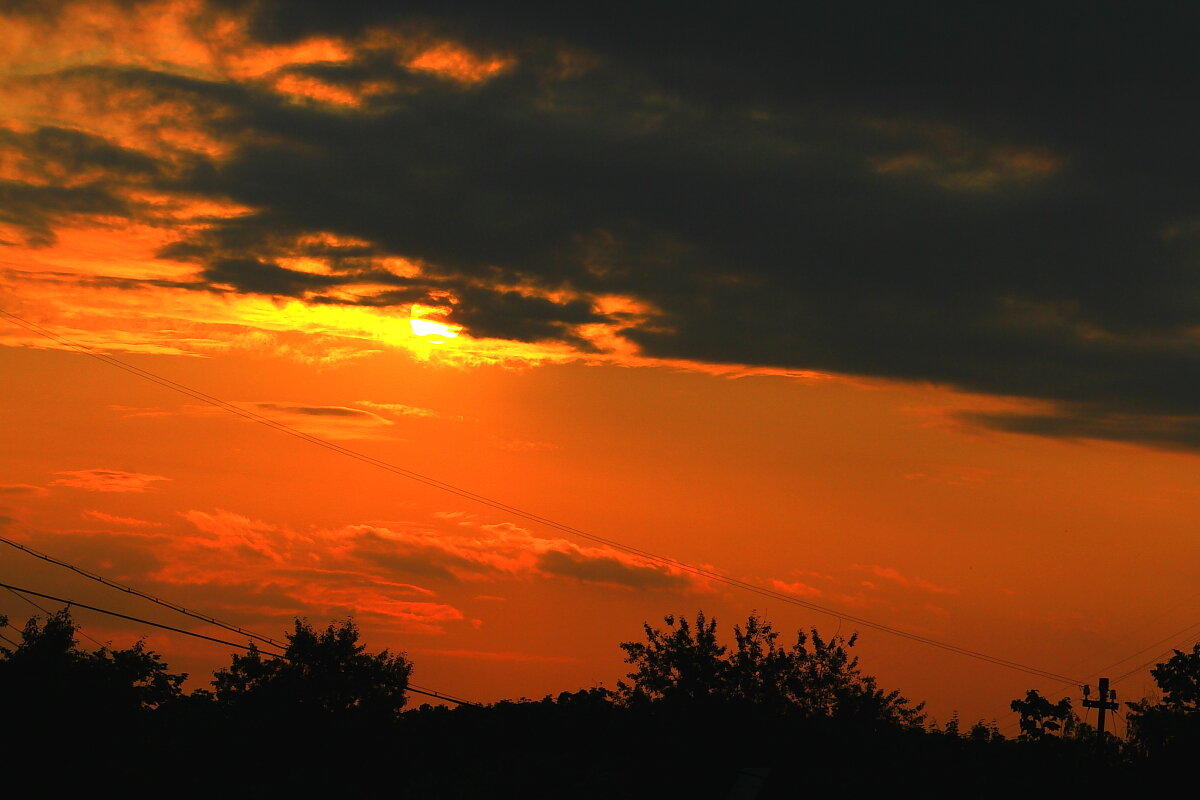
(49, 677)
(1041, 719)
(1170, 727)
(320, 674)
(815, 677)
(985, 732)
(681, 665)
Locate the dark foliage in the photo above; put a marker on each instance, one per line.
(49, 680)
(1169, 730)
(694, 718)
(815, 677)
(1041, 719)
(321, 674)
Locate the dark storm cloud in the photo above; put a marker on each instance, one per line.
(999, 198)
(260, 277)
(511, 315)
(1080, 421)
(36, 210)
(51, 151)
(55, 175)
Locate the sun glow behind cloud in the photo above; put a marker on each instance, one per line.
(429, 327)
(132, 254)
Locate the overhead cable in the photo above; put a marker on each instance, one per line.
(138, 593)
(410, 687)
(527, 515)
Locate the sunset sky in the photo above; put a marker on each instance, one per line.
(891, 308)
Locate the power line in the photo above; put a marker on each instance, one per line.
(161, 602)
(6, 622)
(527, 515)
(410, 687)
(1154, 660)
(1174, 635)
(137, 592)
(122, 616)
(48, 613)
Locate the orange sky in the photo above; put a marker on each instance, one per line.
(909, 495)
(859, 497)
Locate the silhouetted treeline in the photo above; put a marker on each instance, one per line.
(693, 719)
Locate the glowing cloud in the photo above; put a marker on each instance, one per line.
(456, 63)
(107, 480)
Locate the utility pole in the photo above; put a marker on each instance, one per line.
(1103, 704)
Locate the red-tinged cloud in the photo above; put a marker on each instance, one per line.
(894, 575)
(224, 531)
(127, 522)
(306, 572)
(489, 552)
(388, 573)
(796, 588)
(107, 480)
(850, 590)
(377, 602)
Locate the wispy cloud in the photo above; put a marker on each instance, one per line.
(324, 421)
(107, 480)
(402, 410)
(486, 552)
(895, 576)
(390, 573)
(129, 522)
(798, 588)
(23, 489)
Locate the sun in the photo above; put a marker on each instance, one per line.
(429, 327)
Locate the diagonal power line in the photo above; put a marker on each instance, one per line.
(528, 515)
(45, 611)
(193, 634)
(138, 593)
(173, 607)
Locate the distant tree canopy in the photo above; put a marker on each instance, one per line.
(320, 673)
(48, 675)
(815, 677)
